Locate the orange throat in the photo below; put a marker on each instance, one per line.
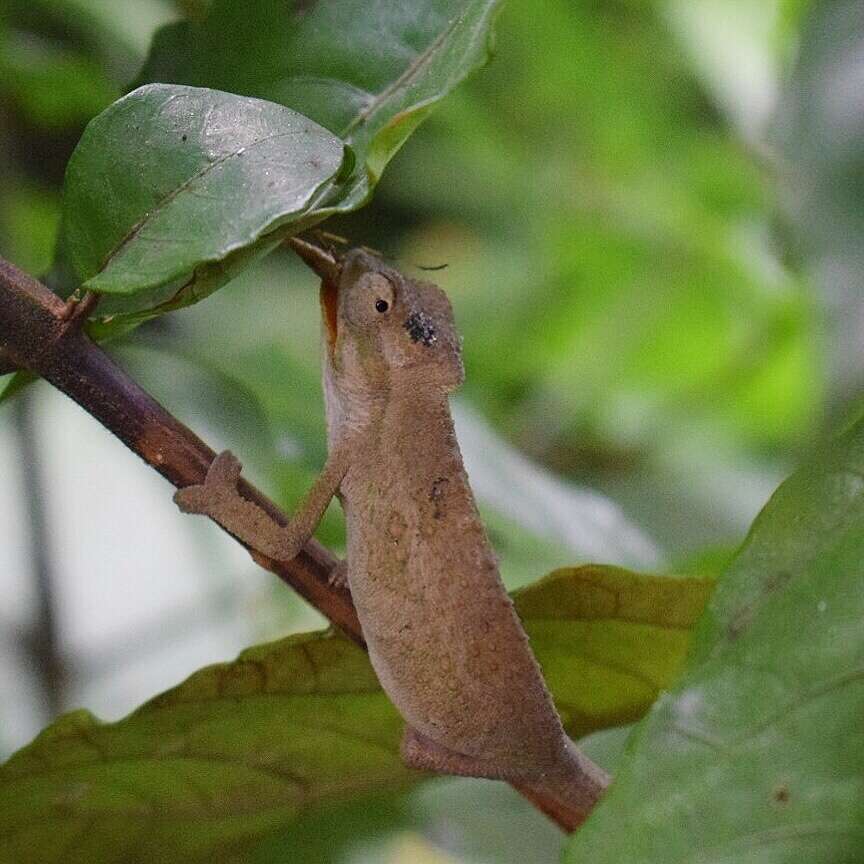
(329, 305)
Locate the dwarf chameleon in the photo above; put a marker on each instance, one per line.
(442, 633)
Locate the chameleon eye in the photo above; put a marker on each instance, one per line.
(372, 291)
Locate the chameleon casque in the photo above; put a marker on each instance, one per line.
(441, 631)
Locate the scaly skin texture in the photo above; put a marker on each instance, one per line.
(441, 630)
(442, 634)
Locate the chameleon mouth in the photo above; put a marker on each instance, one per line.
(320, 257)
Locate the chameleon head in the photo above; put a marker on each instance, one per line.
(384, 331)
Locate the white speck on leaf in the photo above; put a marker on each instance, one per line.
(688, 705)
(289, 447)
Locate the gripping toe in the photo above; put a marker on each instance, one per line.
(224, 470)
(192, 499)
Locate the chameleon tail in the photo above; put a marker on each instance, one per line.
(568, 800)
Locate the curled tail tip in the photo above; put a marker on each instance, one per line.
(567, 808)
(569, 800)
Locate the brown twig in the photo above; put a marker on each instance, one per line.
(36, 334)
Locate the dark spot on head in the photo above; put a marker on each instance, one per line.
(183, 137)
(421, 329)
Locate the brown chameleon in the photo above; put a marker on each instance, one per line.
(442, 633)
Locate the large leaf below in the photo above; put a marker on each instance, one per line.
(170, 182)
(368, 70)
(206, 770)
(757, 756)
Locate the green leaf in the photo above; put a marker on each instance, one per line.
(368, 71)
(171, 184)
(609, 640)
(757, 755)
(228, 756)
(209, 768)
(160, 221)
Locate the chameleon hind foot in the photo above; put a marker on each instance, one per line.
(423, 753)
(338, 577)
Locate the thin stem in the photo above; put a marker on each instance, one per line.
(42, 641)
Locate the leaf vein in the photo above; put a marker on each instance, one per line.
(407, 77)
(139, 226)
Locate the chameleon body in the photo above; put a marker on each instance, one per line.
(443, 637)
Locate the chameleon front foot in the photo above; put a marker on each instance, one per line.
(219, 485)
(219, 498)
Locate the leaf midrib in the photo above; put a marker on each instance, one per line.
(408, 75)
(139, 226)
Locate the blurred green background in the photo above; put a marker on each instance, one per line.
(651, 219)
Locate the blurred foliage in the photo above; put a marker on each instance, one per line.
(820, 133)
(608, 185)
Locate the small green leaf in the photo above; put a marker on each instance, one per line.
(171, 182)
(369, 72)
(757, 756)
(208, 769)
